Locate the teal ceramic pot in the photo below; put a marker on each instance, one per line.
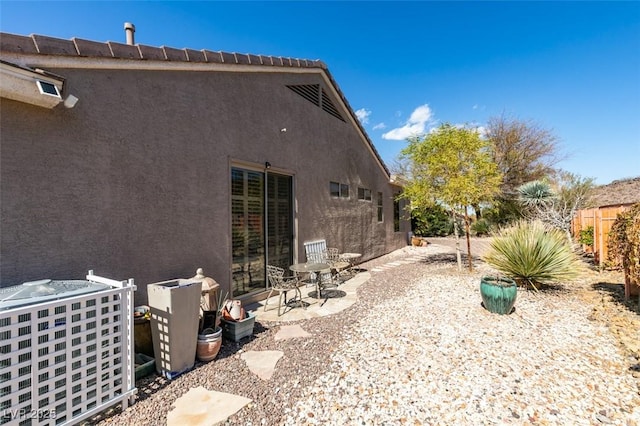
(498, 294)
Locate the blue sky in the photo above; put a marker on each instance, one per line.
(571, 67)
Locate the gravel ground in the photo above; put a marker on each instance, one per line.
(418, 348)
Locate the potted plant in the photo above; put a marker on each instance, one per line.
(498, 294)
(210, 336)
(235, 323)
(531, 254)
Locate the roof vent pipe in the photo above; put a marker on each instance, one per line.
(129, 29)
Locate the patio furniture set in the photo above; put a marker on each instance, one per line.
(325, 266)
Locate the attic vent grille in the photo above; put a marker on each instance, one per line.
(310, 92)
(317, 96)
(329, 107)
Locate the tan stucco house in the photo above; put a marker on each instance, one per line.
(149, 162)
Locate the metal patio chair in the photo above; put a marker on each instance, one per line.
(338, 265)
(281, 284)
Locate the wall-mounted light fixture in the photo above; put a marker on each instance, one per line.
(71, 101)
(283, 130)
(267, 165)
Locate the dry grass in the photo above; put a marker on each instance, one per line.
(624, 191)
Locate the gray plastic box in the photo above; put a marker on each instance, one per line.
(175, 310)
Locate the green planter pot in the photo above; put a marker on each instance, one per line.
(498, 294)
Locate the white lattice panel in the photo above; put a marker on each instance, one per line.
(65, 360)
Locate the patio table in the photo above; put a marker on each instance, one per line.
(317, 268)
(351, 258)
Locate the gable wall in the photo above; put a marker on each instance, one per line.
(134, 181)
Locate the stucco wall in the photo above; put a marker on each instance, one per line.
(134, 181)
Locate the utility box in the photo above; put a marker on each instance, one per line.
(66, 350)
(175, 313)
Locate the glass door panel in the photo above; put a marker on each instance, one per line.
(280, 220)
(250, 232)
(247, 231)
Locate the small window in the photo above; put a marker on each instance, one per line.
(334, 189)
(380, 216)
(396, 215)
(344, 190)
(364, 194)
(339, 189)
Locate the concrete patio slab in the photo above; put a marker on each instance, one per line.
(290, 332)
(202, 407)
(339, 298)
(262, 363)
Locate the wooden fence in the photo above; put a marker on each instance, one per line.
(601, 219)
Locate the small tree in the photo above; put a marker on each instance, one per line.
(524, 152)
(452, 167)
(431, 222)
(556, 203)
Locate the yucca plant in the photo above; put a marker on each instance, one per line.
(532, 253)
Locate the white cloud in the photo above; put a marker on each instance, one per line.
(414, 126)
(379, 126)
(481, 130)
(363, 115)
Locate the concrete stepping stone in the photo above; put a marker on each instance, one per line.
(202, 407)
(290, 332)
(262, 363)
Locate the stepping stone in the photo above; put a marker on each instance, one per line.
(377, 270)
(202, 407)
(394, 264)
(290, 332)
(262, 363)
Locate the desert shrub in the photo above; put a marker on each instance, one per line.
(503, 212)
(481, 227)
(624, 243)
(431, 222)
(586, 236)
(533, 253)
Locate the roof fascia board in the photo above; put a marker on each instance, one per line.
(72, 62)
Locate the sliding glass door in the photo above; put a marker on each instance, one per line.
(261, 227)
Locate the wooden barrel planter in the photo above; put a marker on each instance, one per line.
(498, 294)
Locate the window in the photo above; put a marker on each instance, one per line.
(334, 189)
(396, 215)
(364, 194)
(344, 190)
(380, 217)
(339, 189)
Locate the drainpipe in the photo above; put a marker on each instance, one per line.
(129, 29)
